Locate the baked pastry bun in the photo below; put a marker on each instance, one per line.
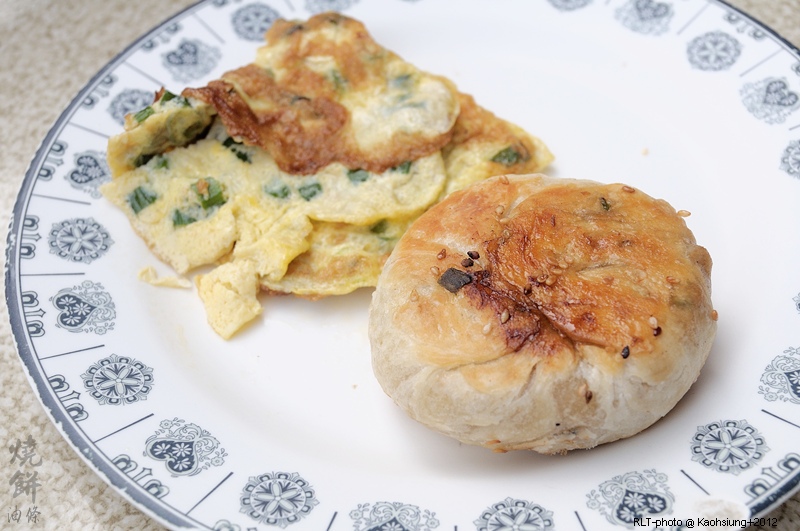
(528, 312)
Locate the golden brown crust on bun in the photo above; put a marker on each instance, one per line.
(527, 312)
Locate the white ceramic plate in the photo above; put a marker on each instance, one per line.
(285, 426)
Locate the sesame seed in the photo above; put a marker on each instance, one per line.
(499, 210)
(556, 270)
(473, 254)
(550, 281)
(442, 254)
(628, 189)
(673, 280)
(588, 396)
(657, 331)
(506, 233)
(435, 270)
(414, 295)
(486, 328)
(684, 213)
(504, 179)
(467, 262)
(626, 352)
(714, 315)
(505, 316)
(653, 322)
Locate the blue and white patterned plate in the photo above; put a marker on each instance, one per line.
(285, 426)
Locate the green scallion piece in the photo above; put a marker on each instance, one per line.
(380, 227)
(507, 157)
(339, 82)
(357, 176)
(140, 199)
(143, 159)
(401, 81)
(210, 192)
(169, 96)
(310, 190)
(404, 167)
(144, 114)
(180, 219)
(162, 162)
(277, 189)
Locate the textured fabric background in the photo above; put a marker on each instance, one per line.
(48, 51)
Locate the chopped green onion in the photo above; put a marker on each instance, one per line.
(507, 157)
(380, 227)
(167, 96)
(277, 189)
(190, 133)
(209, 191)
(180, 219)
(144, 114)
(231, 144)
(339, 83)
(143, 159)
(400, 81)
(228, 142)
(357, 176)
(141, 198)
(404, 167)
(162, 162)
(310, 190)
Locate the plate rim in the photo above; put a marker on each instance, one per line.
(97, 461)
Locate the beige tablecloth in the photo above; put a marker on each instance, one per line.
(48, 51)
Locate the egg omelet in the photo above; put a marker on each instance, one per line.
(299, 172)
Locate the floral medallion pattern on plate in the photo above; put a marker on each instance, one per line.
(80, 240)
(320, 6)
(191, 60)
(118, 380)
(790, 163)
(713, 51)
(512, 514)
(86, 307)
(226, 525)
(770, 100)
(624, 498)
(128, 101)
(253, 20)
(186, 448)
(645, 16)
(277, 498)
(90, 172)
(392, 516)
(781, 378)
(569, 5)
(730, 446)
